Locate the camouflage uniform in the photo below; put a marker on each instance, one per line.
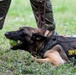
(4, 6)
(42, 10)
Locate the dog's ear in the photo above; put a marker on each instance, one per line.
(38, 37)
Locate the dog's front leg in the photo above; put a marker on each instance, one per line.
(44, 60)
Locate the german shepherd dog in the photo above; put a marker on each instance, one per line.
(33, 40)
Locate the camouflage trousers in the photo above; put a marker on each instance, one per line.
(4, 6)
(42, 10)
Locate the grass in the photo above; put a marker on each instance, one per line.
(20, 62)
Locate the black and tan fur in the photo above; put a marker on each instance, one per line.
(32, 39)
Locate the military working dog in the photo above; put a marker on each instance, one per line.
(48, 45)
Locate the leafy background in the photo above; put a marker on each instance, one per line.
(20, 62)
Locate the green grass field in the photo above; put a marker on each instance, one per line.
(20, 62)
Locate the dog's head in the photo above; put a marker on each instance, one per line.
(26, 37)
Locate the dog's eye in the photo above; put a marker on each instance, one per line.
(21, 35)
(21, 30)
